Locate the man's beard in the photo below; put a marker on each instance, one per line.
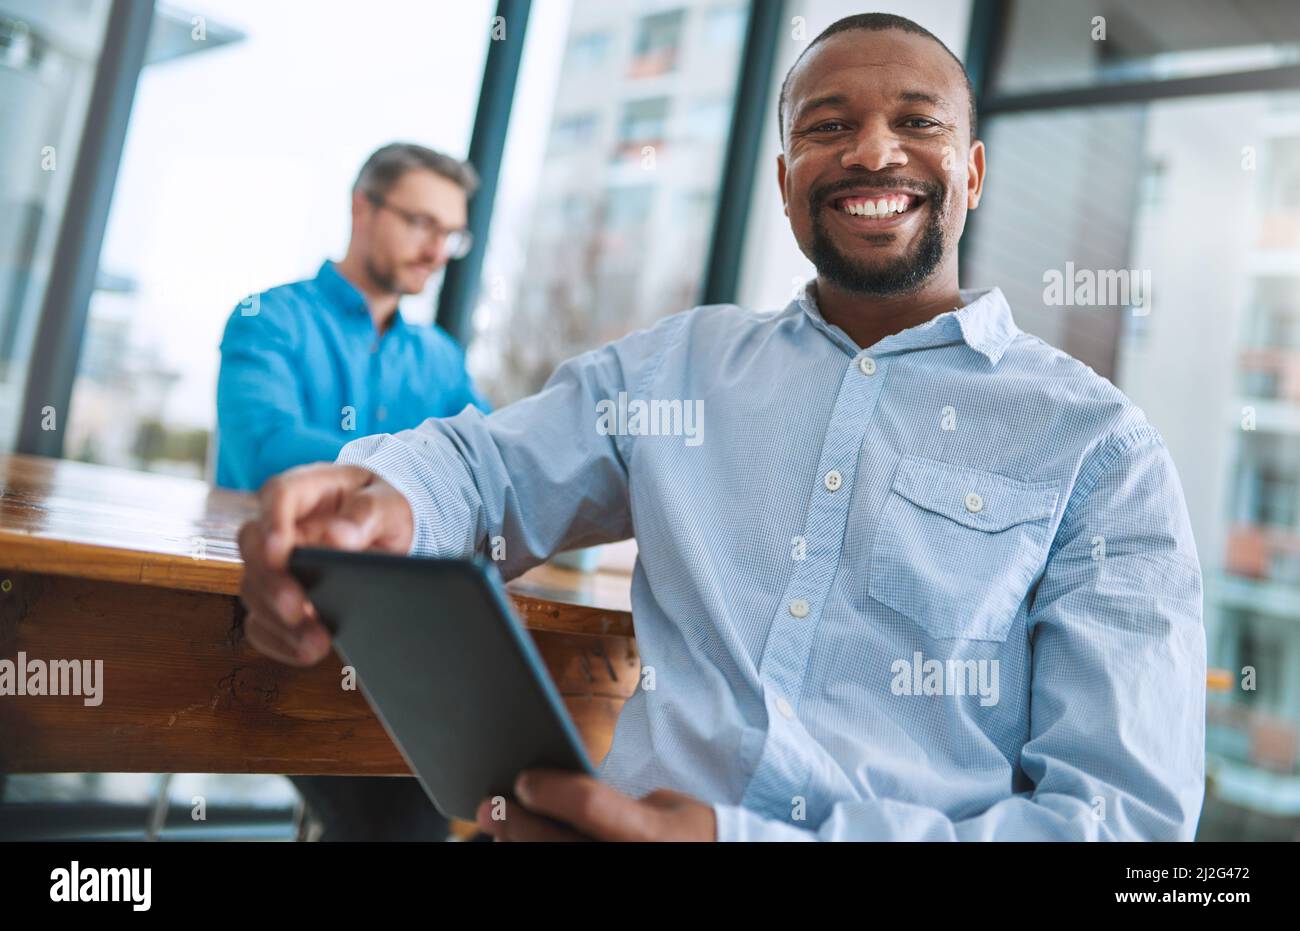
(902, 275)
(384, 280)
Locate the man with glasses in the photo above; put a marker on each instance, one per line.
(309, 366)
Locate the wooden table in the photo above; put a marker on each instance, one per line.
(142, 571)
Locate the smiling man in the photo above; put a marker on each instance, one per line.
(926, 578)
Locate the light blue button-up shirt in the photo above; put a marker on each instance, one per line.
(943, 587)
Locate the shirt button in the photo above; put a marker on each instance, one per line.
(799, 608)
(833, 480)
(974, 503)
(382, 413)
(783, 706)
(868, 365)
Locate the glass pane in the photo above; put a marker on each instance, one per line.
(48, 53)
(1056, 44)
(610, 184)
(247, 133)
(129, 806)
(1166, 253)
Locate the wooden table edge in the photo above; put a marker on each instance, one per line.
(22, 552)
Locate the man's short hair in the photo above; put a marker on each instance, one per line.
(870, 22)
(383, 169)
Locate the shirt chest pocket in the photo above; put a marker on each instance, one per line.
(956, 548)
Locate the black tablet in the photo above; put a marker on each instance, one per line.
(447, 668)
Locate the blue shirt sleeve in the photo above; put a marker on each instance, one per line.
(1117, 727)
(260, 418)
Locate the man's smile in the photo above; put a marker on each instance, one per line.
(877, 209)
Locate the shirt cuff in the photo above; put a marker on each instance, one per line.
(740, 824)
(419, 481)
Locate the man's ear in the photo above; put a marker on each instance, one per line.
(975, 175)
(780, 181)
(362, 207)
(363, 210)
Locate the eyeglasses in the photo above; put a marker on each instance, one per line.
(455, 243)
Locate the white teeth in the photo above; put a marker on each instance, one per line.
(876, 208)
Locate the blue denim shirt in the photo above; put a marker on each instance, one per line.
(942, 587)
(302, 373)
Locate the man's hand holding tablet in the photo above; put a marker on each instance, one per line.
(346, 507)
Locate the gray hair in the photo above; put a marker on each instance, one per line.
(383, 169)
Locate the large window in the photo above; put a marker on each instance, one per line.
(1058, 44)
(236, 177)
(1173, 224)
(611, 178)
(48, 53)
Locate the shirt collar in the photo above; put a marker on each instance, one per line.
(983, 322)
(340, 292)
(343, 294)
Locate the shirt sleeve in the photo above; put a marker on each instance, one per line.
(1117, 725)
(260, 417)
(531, 479)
